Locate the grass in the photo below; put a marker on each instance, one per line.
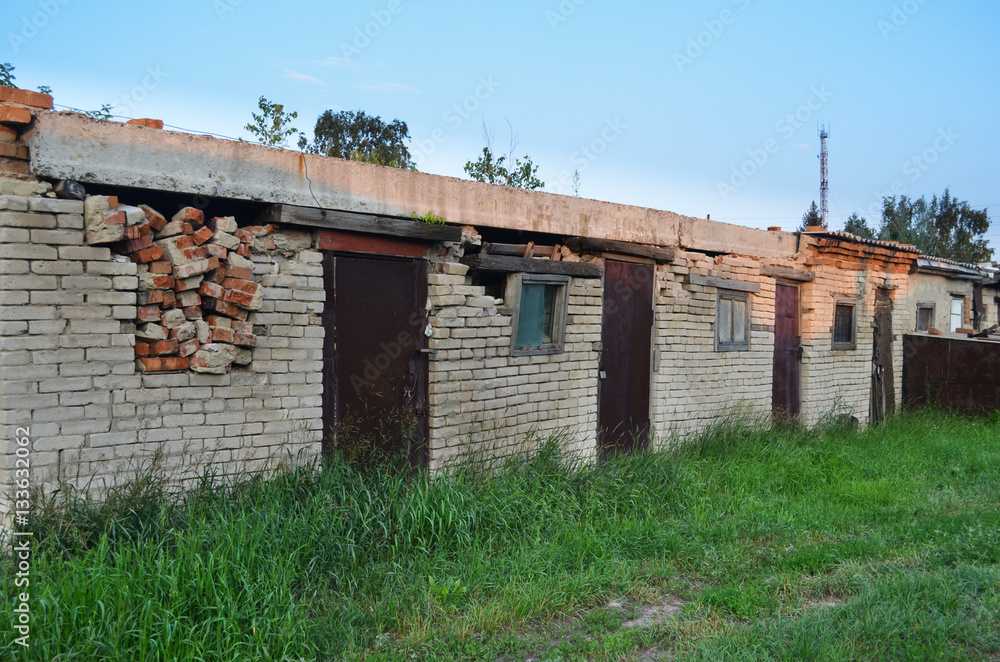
(786, 544)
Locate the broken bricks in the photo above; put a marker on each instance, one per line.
(189, 269)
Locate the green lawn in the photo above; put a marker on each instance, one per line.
(830, 544)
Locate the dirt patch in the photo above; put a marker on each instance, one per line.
(657, 614)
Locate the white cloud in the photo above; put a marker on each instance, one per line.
(305, 78)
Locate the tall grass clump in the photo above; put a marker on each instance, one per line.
(343, 561)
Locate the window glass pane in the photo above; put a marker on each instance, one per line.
(536, 315)
(843, 324)
(725, 321)
(925, 318)
(739, 321)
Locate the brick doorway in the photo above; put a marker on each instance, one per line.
(374, 359)
(626, 357)
(786, 376)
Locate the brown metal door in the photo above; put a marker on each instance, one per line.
(626, 344)
(375, 372)
(787, 372)
(883, 394)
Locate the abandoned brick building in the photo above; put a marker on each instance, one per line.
(229, 305)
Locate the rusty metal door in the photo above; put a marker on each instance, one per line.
(786, 376)
(883, 395)
(375, 362)
(626, 346)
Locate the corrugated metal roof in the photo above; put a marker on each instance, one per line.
(951, 267)
(891, 245)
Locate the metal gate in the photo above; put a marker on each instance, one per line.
(957, 373)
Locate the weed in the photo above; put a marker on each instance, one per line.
(836, 543)
(428, 218)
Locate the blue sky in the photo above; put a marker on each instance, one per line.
(699, 108)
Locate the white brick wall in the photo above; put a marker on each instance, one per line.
(68, 370)
(693, 384)
(486, 402)
(67, 314)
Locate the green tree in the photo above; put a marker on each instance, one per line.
(361, 137)
(858, 226)
(959, 230)
(273, 125)
(504, 170)
(7, 75)
(811, 218)
(905, 220)
(494, 171)
(944, 228)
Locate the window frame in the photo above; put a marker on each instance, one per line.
(951, 313)
(731, 346)
(560, 309)
(853, 343)
(926, 305)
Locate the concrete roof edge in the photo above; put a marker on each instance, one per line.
(72, 146)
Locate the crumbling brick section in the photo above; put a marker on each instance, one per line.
(17, 110)
(196, 287)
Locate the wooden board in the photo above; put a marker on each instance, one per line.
(352, 242)
(799, 275)
(335, 219)
(578, 244)
(724, 283)
(517, 250)
(528, 265)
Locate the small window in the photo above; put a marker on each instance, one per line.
(732, 322)
(957, 314)
(844, 326)
(539, 313)
(925, 316)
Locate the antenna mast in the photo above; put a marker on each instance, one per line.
(824, 169)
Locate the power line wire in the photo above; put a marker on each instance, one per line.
(168, 126)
